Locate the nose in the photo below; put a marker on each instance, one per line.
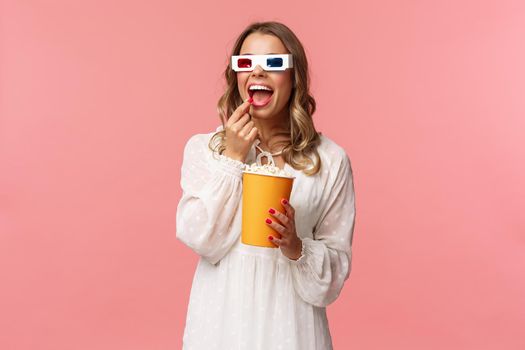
(258, 70)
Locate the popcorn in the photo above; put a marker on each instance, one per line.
(267, 169)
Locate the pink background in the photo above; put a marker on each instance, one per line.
(99, 97)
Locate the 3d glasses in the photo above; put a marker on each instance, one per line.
(247, 63)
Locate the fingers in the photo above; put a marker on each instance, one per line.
(290, 211)
(239, 112)
(280, 216)
(245, 131)
(237, 126)
(277, 227)
(239, 137)
(253, 134)
(291, 249)
(275, 240)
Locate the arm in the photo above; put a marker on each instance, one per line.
(208, 220)
(325, 263)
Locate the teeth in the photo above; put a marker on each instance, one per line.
(259, 87)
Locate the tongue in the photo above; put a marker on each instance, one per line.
(261, 96)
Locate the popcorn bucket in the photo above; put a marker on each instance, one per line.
(260, 193)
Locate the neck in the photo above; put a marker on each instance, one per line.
(271, 131)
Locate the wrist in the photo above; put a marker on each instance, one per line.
(298, 250)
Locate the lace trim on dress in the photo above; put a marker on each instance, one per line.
(229, 165)
(234, 162)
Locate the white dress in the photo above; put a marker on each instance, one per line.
(247, 297)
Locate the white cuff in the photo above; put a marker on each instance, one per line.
(229, 165)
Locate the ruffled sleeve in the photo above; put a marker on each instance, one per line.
(319, 274)
(208, 214)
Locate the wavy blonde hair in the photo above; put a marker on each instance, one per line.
(301, 149)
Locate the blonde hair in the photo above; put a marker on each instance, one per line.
(304, 139)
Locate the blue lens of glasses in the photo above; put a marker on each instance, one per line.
(274, 62)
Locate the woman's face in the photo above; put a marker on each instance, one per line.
(280, 82)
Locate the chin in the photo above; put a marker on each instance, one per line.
(260, 114)
(268, 111)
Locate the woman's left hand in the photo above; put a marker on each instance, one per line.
(290, 243)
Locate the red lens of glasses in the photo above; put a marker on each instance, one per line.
(244, 63)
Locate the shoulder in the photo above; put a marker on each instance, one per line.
(199, 142)
(331, 153)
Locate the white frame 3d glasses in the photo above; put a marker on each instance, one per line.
(247, 63)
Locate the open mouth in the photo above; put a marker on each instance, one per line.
(260, 94)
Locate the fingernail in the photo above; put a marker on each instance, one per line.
(268, 221)
(285, 201)
(271, 211)
(270, 238)
(250, 100)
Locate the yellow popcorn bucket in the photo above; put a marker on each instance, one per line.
(260, 193)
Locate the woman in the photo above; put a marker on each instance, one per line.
(248, 297)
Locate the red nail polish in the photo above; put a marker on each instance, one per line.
(250, 100)
(270, 238)
(285, 201)
(268, 221)
(271, 211)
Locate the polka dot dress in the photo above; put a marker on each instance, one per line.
(247, 297)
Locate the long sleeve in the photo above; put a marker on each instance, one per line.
(208, 214)
(325, 263)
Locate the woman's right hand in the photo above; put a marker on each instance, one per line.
(240, 132)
